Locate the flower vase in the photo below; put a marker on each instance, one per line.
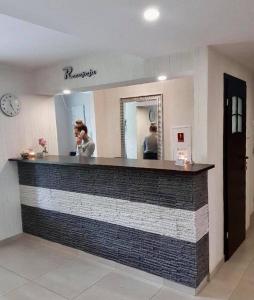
(45, 152)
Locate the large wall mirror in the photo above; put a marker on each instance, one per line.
(119, 118)
(137, 115)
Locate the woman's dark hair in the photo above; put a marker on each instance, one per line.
(153, 128)
(81, 126)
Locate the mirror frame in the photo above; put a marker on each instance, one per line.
(156, 99)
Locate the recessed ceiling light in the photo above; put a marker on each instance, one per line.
(66, 92)
(151, 14)
(162, 77)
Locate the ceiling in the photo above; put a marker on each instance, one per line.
(35, 33)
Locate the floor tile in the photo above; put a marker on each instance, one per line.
(87, 256)
(116, 286)
(55, 246)
(170, 294)
(73, 277)
(249, 273)
(244, 291)
(60, 272)
(31, 291)
(136, 273)
(9, 281)
(243, 256)
(30, 260)
(217, 289)
(232, 272)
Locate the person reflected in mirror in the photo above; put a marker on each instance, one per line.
(151, 143)
(85, 144)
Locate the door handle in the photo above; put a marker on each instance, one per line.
(246, 165)
(243, 157)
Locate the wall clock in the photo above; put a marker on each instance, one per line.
(152, 116)
(10, 105)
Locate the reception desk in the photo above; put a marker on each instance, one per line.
(150, 215)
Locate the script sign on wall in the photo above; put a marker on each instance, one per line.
(68, 73)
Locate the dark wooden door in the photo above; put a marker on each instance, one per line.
(234, 163)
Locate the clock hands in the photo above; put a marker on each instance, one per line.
(12, 106)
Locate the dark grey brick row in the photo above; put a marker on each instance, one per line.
(176, 260)
(161, 188)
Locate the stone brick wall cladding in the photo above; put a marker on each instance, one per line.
(183, 191)
(175, 259)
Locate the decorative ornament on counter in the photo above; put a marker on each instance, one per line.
(183, 157)
(28, 154)
(24, 154)
(43, 144)
(10, 105)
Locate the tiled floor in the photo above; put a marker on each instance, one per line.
(31, 268)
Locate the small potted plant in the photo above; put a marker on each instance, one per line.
(43, 144)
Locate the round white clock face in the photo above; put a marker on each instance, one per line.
(10, 105)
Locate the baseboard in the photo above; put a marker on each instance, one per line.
(202, 285)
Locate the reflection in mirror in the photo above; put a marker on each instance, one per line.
(118, 118)
(69, 109)
(239, 123)
(234, 105)
(141, 127)
(240, 106)
(237, 114)
(234, 123)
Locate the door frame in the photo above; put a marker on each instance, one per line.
(225, 174)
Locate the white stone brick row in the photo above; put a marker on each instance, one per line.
(176, 223)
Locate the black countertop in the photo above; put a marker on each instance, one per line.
(160, 165)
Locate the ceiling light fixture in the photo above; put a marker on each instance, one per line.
(162, 77)
(151, 14)
(66, 92)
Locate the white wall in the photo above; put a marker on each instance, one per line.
(217, 66)
(200, 105)
(178, 105)
(35, 120)
(113, 70)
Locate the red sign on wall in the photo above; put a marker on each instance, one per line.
(180, 137)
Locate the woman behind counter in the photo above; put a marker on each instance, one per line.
(151, 144)
(85, 145)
